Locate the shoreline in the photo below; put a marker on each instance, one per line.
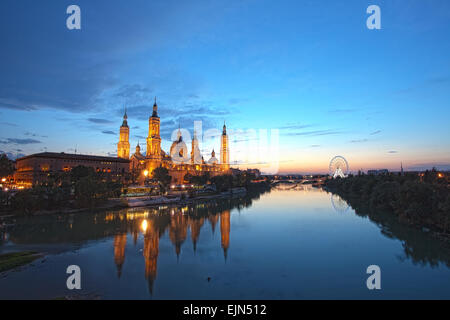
(428, 229)
(119, 203)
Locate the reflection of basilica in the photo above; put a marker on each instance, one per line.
(150, 252)
(120, 242)
(178, 231)
(153, 227)
(225, 231)
(195, 225)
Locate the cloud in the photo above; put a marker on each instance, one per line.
(108, 132)
(235, 101)
(315, 145)
(296, 126)
(30, 134)
(375, 132)
(100, 121)
(132, 91)
(392, 151)
(316, 133)
(11, 155)
(359, 141)
(438, 80)
(19, 141)
(15, 106)
(8, 124)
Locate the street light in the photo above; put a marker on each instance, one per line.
(146, 173)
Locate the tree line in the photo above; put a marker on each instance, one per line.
(82, 187)
(421, 200)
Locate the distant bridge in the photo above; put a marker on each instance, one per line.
(297, 184)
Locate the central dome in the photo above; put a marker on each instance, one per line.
(178, 147)
(213, 159)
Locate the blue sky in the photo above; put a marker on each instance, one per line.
(309, 69)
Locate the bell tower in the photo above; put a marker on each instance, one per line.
(153, 140)
(123, 147)
(224, 151)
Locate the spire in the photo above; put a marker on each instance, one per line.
(224, 131)
(213, 154)
(155, 109)
(125, 117)
(179, 137)
(138, 148)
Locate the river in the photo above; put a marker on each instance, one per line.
(300, 243)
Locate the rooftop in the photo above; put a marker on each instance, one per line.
(62, 155)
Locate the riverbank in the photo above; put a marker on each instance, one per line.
(422, 202)
(143, 201)
(9, 261)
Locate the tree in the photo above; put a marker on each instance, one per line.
(6, 166)
(80, 172)
(161, 175)
(223, 182)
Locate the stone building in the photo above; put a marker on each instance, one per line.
(36, 168)
(178, 162)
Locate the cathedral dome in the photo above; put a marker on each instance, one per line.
(213, 159)
(178, 146)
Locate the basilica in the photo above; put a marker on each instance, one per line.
(178, 162)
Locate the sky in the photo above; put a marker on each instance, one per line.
(297, 82)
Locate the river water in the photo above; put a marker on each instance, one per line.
(300, 243)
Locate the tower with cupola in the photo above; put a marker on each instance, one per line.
(224, 149)
(153, 154)
(123, 147)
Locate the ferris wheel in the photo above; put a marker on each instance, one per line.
(338, 167)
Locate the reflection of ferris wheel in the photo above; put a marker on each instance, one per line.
(338, 167)
(339, 204)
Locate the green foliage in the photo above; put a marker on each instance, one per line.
(81, 172)
(419, 201)
(198, 180)
(13, 260)
(223, 182)
(81, 188)
(161, 175)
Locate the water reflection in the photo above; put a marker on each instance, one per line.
(149, 223)
(339, 204)
(419, 247)
(144, 243)
(153, 225)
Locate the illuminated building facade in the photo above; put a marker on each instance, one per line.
(123, 147)
(178, 161)
(36, 168)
